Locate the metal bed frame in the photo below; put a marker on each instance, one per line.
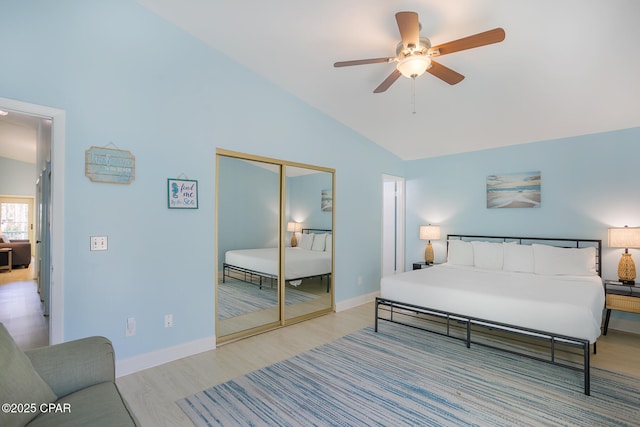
(398, 312)
(247, 275)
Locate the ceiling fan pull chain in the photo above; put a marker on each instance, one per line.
(413, 93)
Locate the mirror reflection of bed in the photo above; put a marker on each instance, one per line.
(248, 224)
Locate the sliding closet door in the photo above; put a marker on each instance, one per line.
(248, 220)
(308, 288)
(262, 280)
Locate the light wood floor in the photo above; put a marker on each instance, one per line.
(21, 310)
(152, 393)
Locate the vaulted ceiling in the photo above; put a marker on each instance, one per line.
(566, 67)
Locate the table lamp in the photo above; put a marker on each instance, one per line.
(294, 227)
(625, 237)
(429, 232)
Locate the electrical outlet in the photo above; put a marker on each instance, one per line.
(130, 329)
(168, 320)
(360, 281)
(99, 243)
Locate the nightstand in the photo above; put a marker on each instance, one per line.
(422, 264)
(620, 297)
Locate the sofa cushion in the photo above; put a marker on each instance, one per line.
(95, 406)
(20, 382)
(74, 365)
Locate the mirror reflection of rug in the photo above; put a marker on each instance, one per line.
(236, 298)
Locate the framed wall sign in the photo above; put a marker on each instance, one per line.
(109, 165)
(182, 193)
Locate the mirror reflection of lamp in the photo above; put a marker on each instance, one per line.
(429, 232)
(293, 228)
(625, 237)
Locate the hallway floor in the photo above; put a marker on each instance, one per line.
(21, 309)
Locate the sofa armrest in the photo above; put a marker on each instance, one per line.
(74, 365)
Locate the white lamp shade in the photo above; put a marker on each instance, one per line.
(294, 226)
(414, 65)
(624, 237)
(429, 232)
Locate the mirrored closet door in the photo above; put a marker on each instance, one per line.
(309, 264)
(274, 243)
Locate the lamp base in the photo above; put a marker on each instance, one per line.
(294, 240)
(627, 269)
(628, 282)
(428, 254)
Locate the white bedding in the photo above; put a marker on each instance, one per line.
(299, 262)
(566, 305)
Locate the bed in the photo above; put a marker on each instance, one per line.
(547, 290)
(311, 259)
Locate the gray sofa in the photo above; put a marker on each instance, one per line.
(70, 384)
(20, 254)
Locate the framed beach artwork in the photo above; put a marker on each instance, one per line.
(515, 190)
(326, 200)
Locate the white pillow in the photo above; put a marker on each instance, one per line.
(552, 260)
(319, 242)
(306, 241)
(518, 258)
(487, 255)
(329, 242)
(460, 253)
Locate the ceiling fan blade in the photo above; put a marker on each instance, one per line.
(445, 74)
(362, 62)
(481, 39)
(409, 27)
(388, 81)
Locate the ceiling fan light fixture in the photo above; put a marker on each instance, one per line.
(414, 65)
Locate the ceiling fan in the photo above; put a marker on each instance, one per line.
(414, 53)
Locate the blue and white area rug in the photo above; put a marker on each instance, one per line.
(401, 376)
(236, 298)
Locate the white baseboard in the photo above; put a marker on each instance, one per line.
(354, 302)
(149, 360)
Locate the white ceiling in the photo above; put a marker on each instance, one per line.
(18, 136)
(566, 67)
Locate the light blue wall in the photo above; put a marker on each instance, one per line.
(125, 77)
(17, 178)
(249, 200)
(304, 200)
(589, 183)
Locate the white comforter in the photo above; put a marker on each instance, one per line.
(299, 262)
(566, 305)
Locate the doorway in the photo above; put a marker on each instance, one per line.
(48, 125)
(392, 225)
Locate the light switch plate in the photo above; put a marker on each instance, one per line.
(130, 329)
(99, 243)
